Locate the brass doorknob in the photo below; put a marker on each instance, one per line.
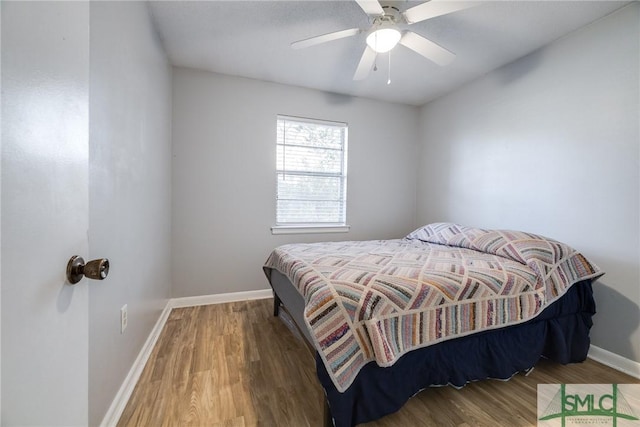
(96, 269)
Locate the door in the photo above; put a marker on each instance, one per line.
(45, 94)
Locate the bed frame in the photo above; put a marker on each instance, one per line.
(303, 333)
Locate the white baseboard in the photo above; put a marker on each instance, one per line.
(221, 298)
(114, 412)
(126, 389)
(614, 361)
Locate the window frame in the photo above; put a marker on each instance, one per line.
(314, 227)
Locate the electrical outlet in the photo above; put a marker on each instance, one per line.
(123, 318)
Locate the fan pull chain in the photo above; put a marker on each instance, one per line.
(389, 75)
(375, 60)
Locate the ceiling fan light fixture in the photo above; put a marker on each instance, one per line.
(383, 39)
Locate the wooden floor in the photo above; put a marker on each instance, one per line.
(237, 365)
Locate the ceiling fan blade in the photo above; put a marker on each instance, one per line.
(427, 48)
(434, 8)
(366, 62)
(300, 44)
(371, 7)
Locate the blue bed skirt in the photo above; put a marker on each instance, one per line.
(559, 333)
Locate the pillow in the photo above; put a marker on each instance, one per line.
(546, 256)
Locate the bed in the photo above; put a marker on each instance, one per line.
(446, 305)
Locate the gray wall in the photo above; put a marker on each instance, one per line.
(130, 190)
(224, 184)
(550, 144)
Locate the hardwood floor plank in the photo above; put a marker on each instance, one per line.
(235, 365)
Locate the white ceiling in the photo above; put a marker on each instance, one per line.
(252, 39)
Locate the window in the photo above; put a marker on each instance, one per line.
(311, 169)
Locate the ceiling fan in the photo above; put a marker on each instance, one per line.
(388, 29)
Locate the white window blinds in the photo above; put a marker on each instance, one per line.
(311, 172)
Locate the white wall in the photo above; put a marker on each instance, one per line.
(130, 190)
(550, 144)
(224, 184)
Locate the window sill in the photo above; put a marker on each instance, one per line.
(291, 229)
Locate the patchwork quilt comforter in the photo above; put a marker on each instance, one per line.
(377, 300)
